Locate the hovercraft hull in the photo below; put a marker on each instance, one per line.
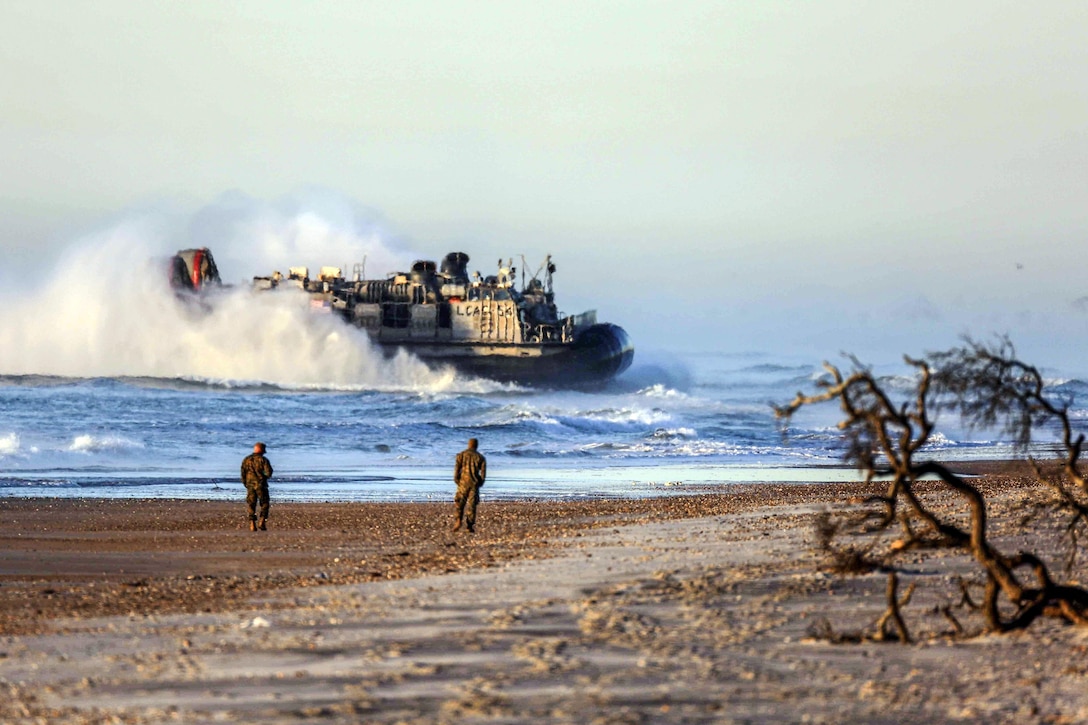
(599, 354)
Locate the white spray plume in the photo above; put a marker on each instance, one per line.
(312, 228)
(109, 311)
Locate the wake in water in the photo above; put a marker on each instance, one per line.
(107, 311)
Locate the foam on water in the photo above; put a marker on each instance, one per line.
(93, 444)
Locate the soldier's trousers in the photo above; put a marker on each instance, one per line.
(466, 499)
(257, 494)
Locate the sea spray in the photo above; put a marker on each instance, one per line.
(108, 311)
(312, 227)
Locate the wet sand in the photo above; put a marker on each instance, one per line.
(689, 609)
(73, 559)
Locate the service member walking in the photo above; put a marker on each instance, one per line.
(469, 473)
(256, 470)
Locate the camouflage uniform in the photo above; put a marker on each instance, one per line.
(469, 473)
(256, 470)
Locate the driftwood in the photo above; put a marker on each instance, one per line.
(990, 388)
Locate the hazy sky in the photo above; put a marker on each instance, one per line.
(866, 176)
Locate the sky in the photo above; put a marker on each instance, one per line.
(798, 177)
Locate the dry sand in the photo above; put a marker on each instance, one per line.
(690, 609)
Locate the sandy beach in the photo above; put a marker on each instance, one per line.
(705, 608)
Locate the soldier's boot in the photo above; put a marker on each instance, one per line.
(262, 524)
(252, 524)
(457, 526)
(471, 528)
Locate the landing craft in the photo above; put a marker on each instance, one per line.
(193, 270)
(483, 326)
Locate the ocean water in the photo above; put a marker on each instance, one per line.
(110, 387)
(702, 421)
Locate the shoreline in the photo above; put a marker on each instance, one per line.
(432, 484)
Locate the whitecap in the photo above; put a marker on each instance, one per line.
(97, 444)
(661, 391)
(671, 433)
(9, 445)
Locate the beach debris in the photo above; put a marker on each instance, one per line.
(256, 623)
(990, 388)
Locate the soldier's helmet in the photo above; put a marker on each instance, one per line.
(259, 447)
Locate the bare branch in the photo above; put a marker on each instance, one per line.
(989, 388)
